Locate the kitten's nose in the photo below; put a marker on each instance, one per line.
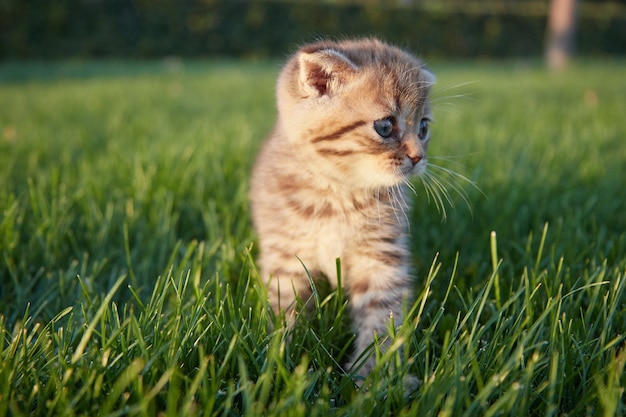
(415, 159)
(413, 152)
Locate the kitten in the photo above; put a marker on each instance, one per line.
(353, 125)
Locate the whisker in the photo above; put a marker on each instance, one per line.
(433, 193)
(401, 194)
(457, 175)
(414, 68)
(404, 206)
(410, 186)
(460, 191)
(378, 203)
(467, 96)
(439, 180)
(449, 108)
(438, 95)
(438, 201)
(453, 157)
(437, 183)
(396, 205)
(444, 88)
(392, 201)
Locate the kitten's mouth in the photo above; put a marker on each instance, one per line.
(415, 169)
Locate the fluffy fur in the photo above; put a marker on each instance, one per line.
(330, 180)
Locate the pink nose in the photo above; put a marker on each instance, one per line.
(415, 159)
(412, 151)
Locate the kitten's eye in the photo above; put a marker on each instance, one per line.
(423, 129)
(384, 127)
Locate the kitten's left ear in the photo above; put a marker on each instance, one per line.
(323, 72)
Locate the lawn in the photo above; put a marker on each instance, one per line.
(127, 276)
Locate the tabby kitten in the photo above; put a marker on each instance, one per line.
(353, 125)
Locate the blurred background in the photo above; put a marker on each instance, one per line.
(61, 29)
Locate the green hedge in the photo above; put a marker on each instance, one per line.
(152, 28)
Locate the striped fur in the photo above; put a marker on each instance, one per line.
(328, 185)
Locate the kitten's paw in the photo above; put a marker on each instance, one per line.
(410, 384)
(360, 371)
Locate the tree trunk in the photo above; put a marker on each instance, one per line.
(561, 29)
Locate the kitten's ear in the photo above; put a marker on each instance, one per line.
(323, 72)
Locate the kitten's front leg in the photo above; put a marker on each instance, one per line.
(286, 285)
(378, 289)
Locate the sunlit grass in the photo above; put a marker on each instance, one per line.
(127, 277)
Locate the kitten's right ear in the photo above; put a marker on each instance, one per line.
(323, 72)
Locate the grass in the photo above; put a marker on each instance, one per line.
(127, 277)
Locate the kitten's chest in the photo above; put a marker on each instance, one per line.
(348, 223)
(332, 240)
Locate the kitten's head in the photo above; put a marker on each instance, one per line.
(357, 111)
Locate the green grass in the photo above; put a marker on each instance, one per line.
(127, 277)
